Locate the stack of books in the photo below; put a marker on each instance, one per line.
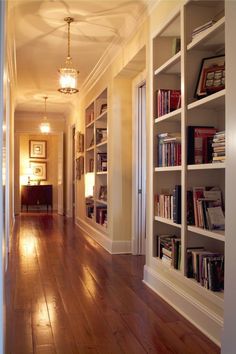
(169, 250)
(169, 206)
(169, 149)
(168, 101)
(205, 208)
(206, 267)
(202, 28)
(218, 147)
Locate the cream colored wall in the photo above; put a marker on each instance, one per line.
(51, 160)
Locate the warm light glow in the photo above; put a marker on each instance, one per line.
(89, 184)
(45, 127)
(68, 75)
(27, 246)
(68, 79)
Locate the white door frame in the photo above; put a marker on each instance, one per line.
(138, 240)
(70, 165)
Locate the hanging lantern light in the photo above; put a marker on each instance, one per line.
(68, 74)
(45, 125)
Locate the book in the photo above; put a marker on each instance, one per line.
(199, 144)
(168, 100)
(177, 204)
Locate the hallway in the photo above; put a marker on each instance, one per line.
(67, 295)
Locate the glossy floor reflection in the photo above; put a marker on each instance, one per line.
(67, 295)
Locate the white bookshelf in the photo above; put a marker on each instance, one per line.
(172, 70)
(96, 169)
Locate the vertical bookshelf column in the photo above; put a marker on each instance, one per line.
(167, 141)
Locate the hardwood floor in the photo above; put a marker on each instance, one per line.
(65, 294)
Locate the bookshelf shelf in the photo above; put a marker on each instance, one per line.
(172, 66)
(90, 148)
(210, 39)
(207, 166)
(90, 124)
(102, 116)
(167, 221)
(167, 169)
(216, 297)
(96, 161)
(101, 144)
(215, 101)
(99, 201)
(217, 235)
(172, 116)
(101, 172)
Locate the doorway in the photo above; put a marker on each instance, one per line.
(73, 172)
(139, 167)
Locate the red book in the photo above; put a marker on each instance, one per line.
(201, 136)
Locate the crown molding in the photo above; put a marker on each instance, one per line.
(114, 49)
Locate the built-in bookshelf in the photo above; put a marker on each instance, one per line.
(188, 127)
(96, 167)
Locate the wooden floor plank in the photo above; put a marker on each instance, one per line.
(66, 295)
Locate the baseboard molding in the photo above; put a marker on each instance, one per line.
(113, 247)
(205, 320)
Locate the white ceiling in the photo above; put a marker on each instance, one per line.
(41, 43)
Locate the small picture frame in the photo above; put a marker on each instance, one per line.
(80, 142)
(39, 170)
(211, 77)
(38, 149)
(103, 108)
(103, 193)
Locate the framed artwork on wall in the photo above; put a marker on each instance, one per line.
(38, 149)
(39, 170)
(79, 167)
(80, 142)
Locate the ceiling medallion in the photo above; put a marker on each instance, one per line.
(68, 74)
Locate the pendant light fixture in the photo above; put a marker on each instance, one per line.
(45, 126)
(68, 75)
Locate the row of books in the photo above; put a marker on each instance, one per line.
(206, 267)
(169, 149)
(218, 146)
(168, 205)
(169, 250)
(167, 101)
(205, 208)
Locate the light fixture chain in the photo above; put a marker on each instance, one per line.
(68, 39)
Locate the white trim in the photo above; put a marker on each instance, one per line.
(195, 312)
(113, 247)
(139, 80)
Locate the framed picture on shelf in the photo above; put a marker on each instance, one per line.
(103, 193)
(79, 142)
(39, 170)
(38, 149)
(211, 77)
(103, 108)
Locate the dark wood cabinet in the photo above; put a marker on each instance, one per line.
(36, 195)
